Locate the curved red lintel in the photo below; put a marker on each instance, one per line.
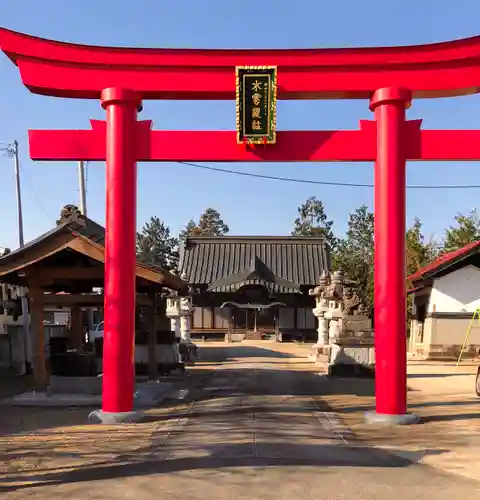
(83, 71)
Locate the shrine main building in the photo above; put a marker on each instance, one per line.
(254, 287)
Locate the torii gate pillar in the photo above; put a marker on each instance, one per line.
(121, 106)
(389, 105)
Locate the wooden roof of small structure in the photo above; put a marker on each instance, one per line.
(76, 244)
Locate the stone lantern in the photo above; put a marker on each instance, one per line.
(179, 309)
(173, 311)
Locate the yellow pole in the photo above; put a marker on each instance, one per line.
(467, 335)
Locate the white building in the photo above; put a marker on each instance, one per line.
(446, 295)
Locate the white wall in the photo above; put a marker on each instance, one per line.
(458, 291)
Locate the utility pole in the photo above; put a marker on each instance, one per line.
(12, 151)
(81, 185)
(83, 210)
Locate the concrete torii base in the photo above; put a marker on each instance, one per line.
(109, 418)
(384, 419)
(147, 395)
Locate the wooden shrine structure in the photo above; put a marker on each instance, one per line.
(253, 287)
(61, 268)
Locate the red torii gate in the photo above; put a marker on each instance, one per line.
(122, 77)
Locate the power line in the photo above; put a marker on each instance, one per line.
(30, 187)
(11, 149)
(322, 183)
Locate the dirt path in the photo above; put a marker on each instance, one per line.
(259, 423)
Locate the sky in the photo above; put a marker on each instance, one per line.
(176, 193)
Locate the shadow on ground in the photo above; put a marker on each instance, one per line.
(220, 354)
(326, 457)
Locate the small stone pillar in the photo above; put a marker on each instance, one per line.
(185, 319)
(173, 312)
(322, 329)
(321, 307)
(185, 329)
(175, 327)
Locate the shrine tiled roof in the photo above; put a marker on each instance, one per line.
(282, 263)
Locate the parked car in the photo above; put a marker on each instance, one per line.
(95, 333)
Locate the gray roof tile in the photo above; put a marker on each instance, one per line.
(301, 260)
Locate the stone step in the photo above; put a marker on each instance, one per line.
(253, 335)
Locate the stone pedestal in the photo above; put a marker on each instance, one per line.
(350, 349)
(352, 356)
(356, 325)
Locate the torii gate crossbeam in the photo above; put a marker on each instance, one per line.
(292, 146)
